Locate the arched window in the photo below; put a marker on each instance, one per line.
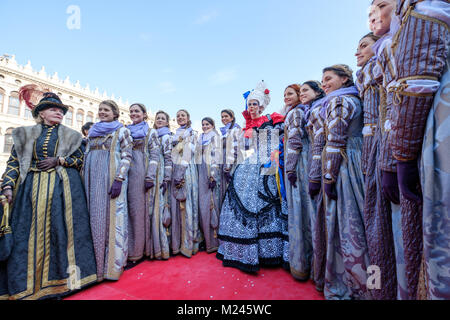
(90, 117)
(8, 140)
(14, 104)
(80, 118)
(2, 97)
(28, 114)
(69, 117)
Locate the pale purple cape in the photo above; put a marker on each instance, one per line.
(139, 131)
(101, 129)
(163, 131)
(205, 138)
(224, 130)
(339, 92)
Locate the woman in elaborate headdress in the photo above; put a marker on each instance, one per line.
(302, 209)
(343, 185)
(253, 220)
(108, 159)
(162, 216)
(141, 179)
(52, 254)
(208, 157)
(186, 235)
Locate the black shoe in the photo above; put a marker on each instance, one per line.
(131, 265)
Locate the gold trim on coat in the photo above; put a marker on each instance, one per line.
(110, 272)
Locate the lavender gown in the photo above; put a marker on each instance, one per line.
(108, 158)
(143, 166)
(186, 234)
(160, 235)
(347, 254)
(208, 158)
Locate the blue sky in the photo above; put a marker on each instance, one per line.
(198, 55)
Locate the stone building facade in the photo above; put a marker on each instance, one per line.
(83, 101)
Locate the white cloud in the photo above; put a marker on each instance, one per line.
(146, 37)
(223, 76)
(167, 87)
(205, 18)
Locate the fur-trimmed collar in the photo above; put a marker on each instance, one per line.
(25, 137)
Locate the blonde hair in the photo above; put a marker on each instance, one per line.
(114, 107)
(189, 123)
(167, 117)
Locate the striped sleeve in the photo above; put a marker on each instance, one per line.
(153, 159)
(166, 147)
(75, 160)
(294, 134)
(340, 112)
(317, 124)
(126, 147)
(12, 172)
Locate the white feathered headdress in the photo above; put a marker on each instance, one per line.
(261, 94)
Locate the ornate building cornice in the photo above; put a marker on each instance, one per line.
(9, 66)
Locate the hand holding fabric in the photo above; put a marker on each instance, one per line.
(116, 189)
(389, 186)
(8, 193)
(409, 180)
(214, 219)
(292, 177)
(164, 186)
(178, 183)
(167, 217)
(228, 176)
(212, 184)
(314, 188)
(47, 164)
(330, 190)
(148, 185)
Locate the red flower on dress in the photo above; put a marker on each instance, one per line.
(267, 91)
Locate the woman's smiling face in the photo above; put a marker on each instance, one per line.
(332, 82)
(307, 94)
(105, 113)
(291, 97)
(182, 118)
(161, 120)
(364, 51)
(380, 16)
(226, 118)
(136, 114)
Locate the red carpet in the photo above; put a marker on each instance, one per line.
(201, 278)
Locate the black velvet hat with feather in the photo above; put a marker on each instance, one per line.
(39, 99)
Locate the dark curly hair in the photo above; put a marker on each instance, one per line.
(317, 88)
